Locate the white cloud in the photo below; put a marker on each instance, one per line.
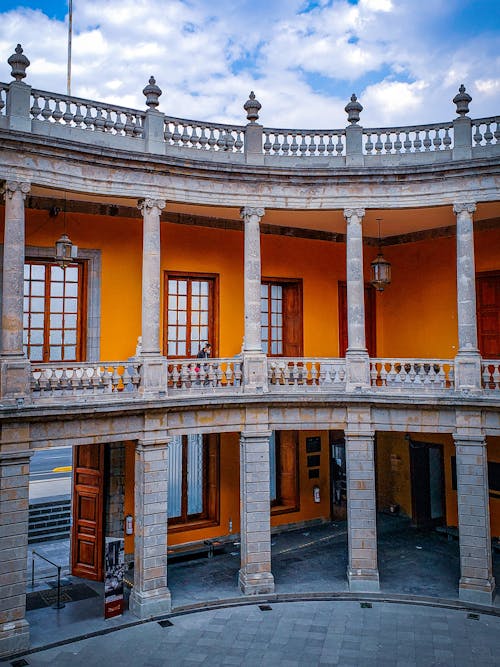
(404, 59)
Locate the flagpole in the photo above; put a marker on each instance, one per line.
(70, 31)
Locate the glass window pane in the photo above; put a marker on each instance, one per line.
(55, 353)
(69, 353)
(36, 353)
(36, 305)
(55, 337)
(56, 273)
(71, 274)
(174, 477)
(181, 333)
(182, 303)
(172, 302)
(37, 272)
(36, 320)
(71, 305)
(172, 317)
(172, 348)
(69, 320)
(56, 289)
(172, 333)
(56, 305)
(55, 321)
(264, 347)
(172, 286)
(204, 318)
(181, 349)
(182, 289)
(37, 288)
(27, 271)
(195, 317)
(72, 289)
(263, 291)
(182, 317)
(204, 288)
(70, 337)
(36, 336)
(195, 287)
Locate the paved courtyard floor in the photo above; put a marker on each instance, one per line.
(415, 619)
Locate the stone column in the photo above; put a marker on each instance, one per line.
(14, 506)
(255, 506)
(14, 365)
(476, 579)
(254, 361)
(357, 361)
(153, 364)
(150, 595)
(467, 361)
(362, 569)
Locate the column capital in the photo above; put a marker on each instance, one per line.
(353, 212)
(11, 187)
(256, 435)
(150, 203)
(149, 444)
(478, 440)
(467, 207)
(249, 212)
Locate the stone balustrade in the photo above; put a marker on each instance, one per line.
(85, 114)
(307, 374)
(203, 136)
(85, 379)
(284, 374)
(411, 139)
(490, 371)
(293, 143)
(412, 374)
(102, 124)
(204, 375)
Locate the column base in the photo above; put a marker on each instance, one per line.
(363, 581)
(259, 583)
(477, 592)
(255, 372)
(144, 605)
(15, 381)
(14, 637)
(357, 370)
(154, 375)
(468, 372)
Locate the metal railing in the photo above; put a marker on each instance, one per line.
(58, 604)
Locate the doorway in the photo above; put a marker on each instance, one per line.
(338, 478)
(427, 484)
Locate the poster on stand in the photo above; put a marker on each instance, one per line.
(113, 578)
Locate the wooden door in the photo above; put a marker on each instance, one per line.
(88, 512)
(488, 314)
(427, 484)
(370, 320)
(292, 319)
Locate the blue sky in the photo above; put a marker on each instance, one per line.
(404, 59)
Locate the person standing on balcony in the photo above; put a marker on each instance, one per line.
(205, 351)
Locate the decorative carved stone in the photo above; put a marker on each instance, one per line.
(19, 62)
(252, 106)
(149, 203)
(249, 213)
(152, 93)
(350, 212)
(353, 109)
(468, 207)
(11, 187)
(462, 100)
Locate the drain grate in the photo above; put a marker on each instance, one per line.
(166, 623)
(365, 605)
(19, 663)
(265, 607)
(473, 617)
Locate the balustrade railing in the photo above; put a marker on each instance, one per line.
(86, 114)
(315, 374)
(411, 139)
(85, 379)
(486, 131)
(3, 98)
(201, 375)
(410, 374)
(204, 136)
(490, 371)
(292, 143)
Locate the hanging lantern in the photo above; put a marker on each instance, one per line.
(380, 269)
(65, 251)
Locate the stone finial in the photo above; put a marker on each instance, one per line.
(252, 107)
(353, 109)
(19, 63)
(152, 93)
(462, 100)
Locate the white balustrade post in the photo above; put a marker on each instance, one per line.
(19, 94)
(255, 508)
(154, 369)
(476, 575)
(14, 504)
(462, 127)
(150, 595)
(154, 121)
(354, 134)
(253, 132)
(357, 361)
(14, 367)
(254, 360)
(467, 360)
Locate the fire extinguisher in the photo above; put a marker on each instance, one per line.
(316, 494)
(129, 525)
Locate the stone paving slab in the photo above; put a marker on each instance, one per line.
(295, 634)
